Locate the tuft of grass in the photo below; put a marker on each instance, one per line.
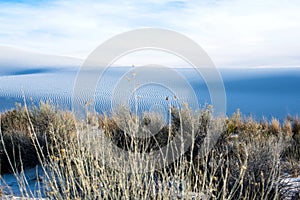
(274, 127)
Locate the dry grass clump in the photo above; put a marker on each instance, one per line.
(15, 135)
(268, 136)
(293, 150)
(22, 130)
(248, 127)
(296, 130)
(274, 127)
(245, 160)
(108, 157)
(232, 169)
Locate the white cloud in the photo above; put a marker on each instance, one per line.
(234, 33)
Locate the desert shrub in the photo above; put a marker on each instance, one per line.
(92, 176)
(287, 127)
(274, 127)
(243, 167)
(263, 167)
(233, 168)
(234, 123)
(15, 135)
(231, 158)
(294, 147)
(296, 130)
(48, 119)
(22, 130)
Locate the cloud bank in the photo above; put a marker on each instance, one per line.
(234, 33)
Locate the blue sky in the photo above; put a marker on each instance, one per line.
(236, 33)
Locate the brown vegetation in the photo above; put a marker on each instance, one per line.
(229, 158)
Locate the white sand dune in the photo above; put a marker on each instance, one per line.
(274, 94)
(57, 87)
(13, 186)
